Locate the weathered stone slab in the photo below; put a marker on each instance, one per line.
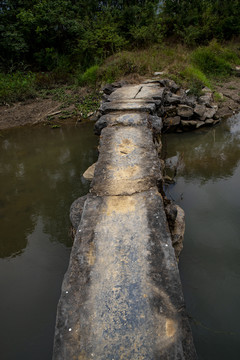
(121, 296)
(125, 93)
(135, 105)
(119, 118)
(151, 92)
(127, 163)
(128, 119)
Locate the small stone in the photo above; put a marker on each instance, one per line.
(210, 112)
(224, 112)
(185, 111)
(206, 99)
(188, 123)
(189, 100)
(172, 121)
(206, 90)
(108, 89)
(199, 124)
(199, 110)
(171, 111)
(158, 73)
(172, 99)
(89, 173)
(209, 121)
(171, 85)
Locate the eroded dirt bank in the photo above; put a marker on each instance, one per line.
(39, 110)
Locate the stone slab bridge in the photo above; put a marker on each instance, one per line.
(121, 296)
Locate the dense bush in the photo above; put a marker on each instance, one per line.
(199, 21)
(67, 33)
(214, 60)
(85, 32)
(89, 77)
(16, 87)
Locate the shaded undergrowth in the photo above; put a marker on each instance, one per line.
(192, 68)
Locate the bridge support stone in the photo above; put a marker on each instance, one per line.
(121, 296)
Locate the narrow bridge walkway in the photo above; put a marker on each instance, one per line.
(121, 296)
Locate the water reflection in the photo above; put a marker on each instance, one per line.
(40, 174)
(207, 188)
(206, 154)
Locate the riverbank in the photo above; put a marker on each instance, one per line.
(65, 106)
(55, 107)
(60, 96)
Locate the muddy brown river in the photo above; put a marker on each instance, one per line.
(41, 174)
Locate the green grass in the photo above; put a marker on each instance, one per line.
(203, 66)
(16, 87)
(143, 62)
(89, 77)
(195, 79)
(214, 60)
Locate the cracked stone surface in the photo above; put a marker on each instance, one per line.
(131, 105)
(127, 163)
(121, 296)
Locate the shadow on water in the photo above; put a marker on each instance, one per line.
(40, 175)
(207, 164)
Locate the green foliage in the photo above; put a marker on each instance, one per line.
(199, 21)
(210, 63)
(214, 60)
(16, 87)
(195, 79)
(218, 97)
(88, 104)
(41, 32)
(89, 77)
(55, 126)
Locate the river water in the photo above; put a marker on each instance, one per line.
(41, 174)
(207, 164)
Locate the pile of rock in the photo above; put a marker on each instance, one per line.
(181, 111)
(178, 110)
